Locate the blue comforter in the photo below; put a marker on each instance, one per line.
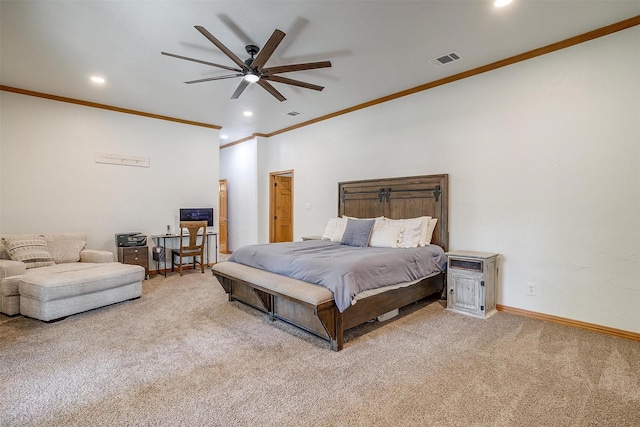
(345, 270)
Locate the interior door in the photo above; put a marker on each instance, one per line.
(281, 207)
(222, 219)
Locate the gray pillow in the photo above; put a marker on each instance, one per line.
(358, 232)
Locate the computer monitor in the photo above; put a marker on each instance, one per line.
(197, 214)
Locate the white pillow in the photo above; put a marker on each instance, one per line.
(335, 229)
(412, 231)
(341, 225)
(432, 226)
(386, 237)
(424, 231)
(330, 229)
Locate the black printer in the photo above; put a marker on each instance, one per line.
(131, 239)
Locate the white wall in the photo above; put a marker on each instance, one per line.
(51, 182)
(543, 160)
(239, 166)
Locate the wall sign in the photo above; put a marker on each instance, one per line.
(122, 159)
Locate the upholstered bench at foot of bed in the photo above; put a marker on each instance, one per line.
(282, 285)
(50, 297)
(308, 306)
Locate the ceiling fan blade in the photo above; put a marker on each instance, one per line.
(220, 46)
(209, 79)
(201, 62)
(272, 90)
(241, 87)
(298, 67)
(267, 50)
(293, 82)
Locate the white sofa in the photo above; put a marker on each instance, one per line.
(70, 280)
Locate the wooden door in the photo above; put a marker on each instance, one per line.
(222, 219)
(282, 207)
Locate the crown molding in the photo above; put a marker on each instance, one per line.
(591, 35)
(105, 107)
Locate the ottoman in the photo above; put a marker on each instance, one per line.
(51, 296)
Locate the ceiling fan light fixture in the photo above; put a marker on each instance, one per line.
(253, 70)
(251, 77)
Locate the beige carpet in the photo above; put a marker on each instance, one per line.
(184, 355)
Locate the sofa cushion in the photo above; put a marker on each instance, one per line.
(65, 247)
(30, 249)
(95, 255)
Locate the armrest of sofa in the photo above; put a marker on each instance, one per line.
(94, 255)
(10, 268)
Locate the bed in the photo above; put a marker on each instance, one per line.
(312, 307)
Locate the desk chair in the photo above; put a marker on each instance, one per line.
(193, 248)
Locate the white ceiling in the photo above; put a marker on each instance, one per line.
(377, 48)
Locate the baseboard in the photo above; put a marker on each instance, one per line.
(570, 322)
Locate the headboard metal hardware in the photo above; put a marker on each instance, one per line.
(384, 193)
(437, 192)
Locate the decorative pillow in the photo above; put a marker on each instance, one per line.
(379, 220)
(432, 226)
(31, 250)
(386, 237)
(412, 231)
(358, 232)
(3, 250)
(424, 231)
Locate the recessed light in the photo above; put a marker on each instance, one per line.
(224, 136)
(248, 113)
(97, 79)
(501, 3)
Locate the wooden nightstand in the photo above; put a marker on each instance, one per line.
(135, 255)
(472, 283)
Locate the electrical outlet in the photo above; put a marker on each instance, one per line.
(531, 289)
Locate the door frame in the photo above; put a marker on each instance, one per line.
(272, 201)
(223, 231)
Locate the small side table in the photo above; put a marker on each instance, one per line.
(472, 283)
(135, 255)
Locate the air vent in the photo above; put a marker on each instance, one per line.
(293, 113)
(444, 59)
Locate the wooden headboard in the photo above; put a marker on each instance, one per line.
(399, 198)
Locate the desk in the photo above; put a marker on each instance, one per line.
(156, 240)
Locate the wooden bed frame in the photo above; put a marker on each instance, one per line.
(395, 198)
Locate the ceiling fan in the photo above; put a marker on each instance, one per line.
(252, 70)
